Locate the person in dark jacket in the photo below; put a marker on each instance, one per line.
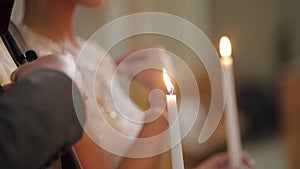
(41, 112)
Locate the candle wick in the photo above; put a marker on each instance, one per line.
(172, 91)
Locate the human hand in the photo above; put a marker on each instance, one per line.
(64, 63)
(221, 161)
(7, 86)
(146, 65)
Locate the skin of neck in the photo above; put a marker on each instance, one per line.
(51, 18)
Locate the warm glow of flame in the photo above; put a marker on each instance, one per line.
(168, 82)
(225, 47)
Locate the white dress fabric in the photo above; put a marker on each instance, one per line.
(7, 65)
(104, 123)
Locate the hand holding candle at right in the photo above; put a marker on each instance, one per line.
(221, 161)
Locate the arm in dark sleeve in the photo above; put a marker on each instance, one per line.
(40, 117)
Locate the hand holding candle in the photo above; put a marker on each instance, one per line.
(174, 128)
(231, 115)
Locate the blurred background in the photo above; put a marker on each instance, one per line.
(265, 37)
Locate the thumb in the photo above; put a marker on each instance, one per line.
(13, 75)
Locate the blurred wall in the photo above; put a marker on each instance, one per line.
(196, 11)
(256, 28)
(252, 28)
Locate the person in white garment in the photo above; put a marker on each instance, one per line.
(47, 27)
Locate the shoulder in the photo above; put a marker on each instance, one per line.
(92, 53)
(91, 48)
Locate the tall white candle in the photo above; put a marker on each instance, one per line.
(174, 127)
(231, 115)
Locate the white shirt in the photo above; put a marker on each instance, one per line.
(7, 65)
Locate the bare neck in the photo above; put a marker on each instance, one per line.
(50, 18)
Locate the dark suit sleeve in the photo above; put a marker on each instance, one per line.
(40, 117)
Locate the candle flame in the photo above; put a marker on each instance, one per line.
(168, 82)
(225, 47)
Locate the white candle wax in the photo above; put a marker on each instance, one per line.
(231, 117)
(231, 113)
(174, 128)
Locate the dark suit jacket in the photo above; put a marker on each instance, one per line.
(38, 120)
(5, 12)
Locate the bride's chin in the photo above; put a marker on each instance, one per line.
(92, 3)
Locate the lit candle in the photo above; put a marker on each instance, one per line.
(231, 115)
(174, 128)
